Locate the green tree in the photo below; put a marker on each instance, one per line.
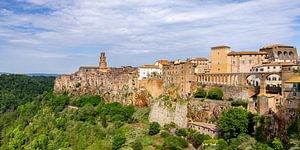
(182, 132)
(234, 122)
(277, 144)
(154, 128)
(197, 139)
(118, 141)
(137, 145)
(174, 143)
(215, 93)
(200, 93)
(103, 120)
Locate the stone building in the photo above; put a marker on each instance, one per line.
(179, 74)
(242, 62)
(146, 71)
(205, 128)
(278, 51)
(220, 62)
(201, 64)
(114, 84)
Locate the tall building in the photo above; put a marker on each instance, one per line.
(102, 63)
(220, 62)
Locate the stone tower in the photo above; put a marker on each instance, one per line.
(102, 62)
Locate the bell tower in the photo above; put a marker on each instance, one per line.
(102, 62)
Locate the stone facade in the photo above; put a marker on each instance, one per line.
(179, 74)
(220, 62)
(242, 62)
(278, 51)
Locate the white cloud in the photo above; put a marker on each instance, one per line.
(131, 27)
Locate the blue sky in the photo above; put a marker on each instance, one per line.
(58, 36)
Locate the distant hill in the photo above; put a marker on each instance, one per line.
(42, 74)
(35, 74)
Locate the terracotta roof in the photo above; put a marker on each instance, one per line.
(247, 53)
(89, 67)
(276, 45)
(149, 66)
(199, 59)
(280, 64)
(206, 125)
(294, 79)
(220, 46)
(163, 62)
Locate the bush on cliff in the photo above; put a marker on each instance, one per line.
(239, 102)
(174, 143)
(200, 93)
(154, 128)
(215, 93)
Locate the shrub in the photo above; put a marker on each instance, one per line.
(277, 144)
(200, 93)
(197, 139)
(137, 145)
(215, 93)
(165, 134)
(154, 128)
(181, 132)
(118, 141)
(239, 102)
(169, 126)
(174, 143)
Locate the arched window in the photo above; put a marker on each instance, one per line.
(291, 54)
(279, 54)
(285, 54)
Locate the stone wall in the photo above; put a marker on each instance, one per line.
(167, 112)
(233, 92)
(195, 110)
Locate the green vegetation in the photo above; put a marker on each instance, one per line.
(215, 93)
(234, 122)
(16, 90)
(200, 93)
(44, 120)
(154, 128)
(239, 102)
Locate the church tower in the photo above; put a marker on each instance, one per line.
(102, 62)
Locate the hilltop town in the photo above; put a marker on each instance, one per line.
(267, 79)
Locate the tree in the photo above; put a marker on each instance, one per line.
(277, 144)
(215, 93)
(174, 143)
(137, 145)
(103, 120)
(200, 93)
(154, 128)
(234, 122)
(181, 132)
(197, 139)
(118, 141)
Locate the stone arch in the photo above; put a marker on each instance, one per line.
(273, 80)
(279, 54)
(285, 54)
(253, 80)
(291, 54)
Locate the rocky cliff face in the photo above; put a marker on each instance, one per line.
(115, 85)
